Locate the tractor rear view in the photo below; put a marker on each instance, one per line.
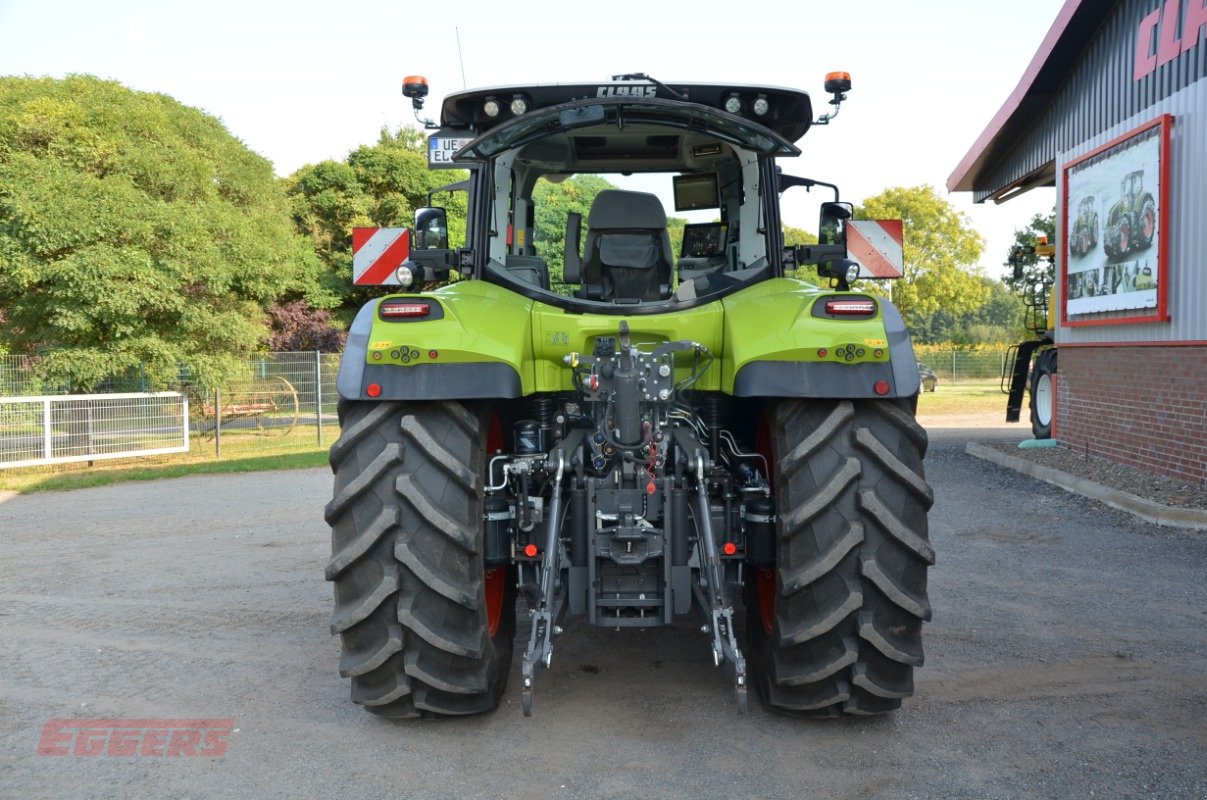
(627, 434)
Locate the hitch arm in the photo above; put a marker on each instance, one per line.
(540, 639)
(724, 643)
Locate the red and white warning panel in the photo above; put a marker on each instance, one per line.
(876, 244)
(377, 253)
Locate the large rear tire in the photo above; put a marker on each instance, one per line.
(849, 588)
(420, 633)
(1043, 394)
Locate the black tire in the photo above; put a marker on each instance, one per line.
(1148, 222)
(1043, 394)
(850, 581)
(410, 587)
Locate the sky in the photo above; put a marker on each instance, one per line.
(303, 81)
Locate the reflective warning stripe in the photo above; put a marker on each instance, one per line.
(876, 244)
(377, 253)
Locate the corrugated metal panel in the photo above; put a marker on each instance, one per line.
(1187, 215)
(1099, 94)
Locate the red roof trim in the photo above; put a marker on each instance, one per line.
(956, 182)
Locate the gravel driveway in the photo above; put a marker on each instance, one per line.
(1068, 658)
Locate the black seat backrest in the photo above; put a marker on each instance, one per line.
(628, 254)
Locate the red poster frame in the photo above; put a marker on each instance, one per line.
(1161, 313)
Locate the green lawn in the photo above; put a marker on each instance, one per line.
(980, 397)
(241, 452)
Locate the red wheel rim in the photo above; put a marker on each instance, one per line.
(764, 579)
(764, 588)
(496, 588)
(1149, 225)
(495, 582)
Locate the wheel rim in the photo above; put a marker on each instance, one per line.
(764, 579)
(495, 578)
(496, 589)
(1043, 399)
(1149, 224)
(1124, 236)
(764, 588)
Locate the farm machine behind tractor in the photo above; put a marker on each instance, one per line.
(658, 438)
(1018, 374)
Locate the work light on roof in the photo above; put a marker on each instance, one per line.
(491, 107)
(760, 106)
(518, 105)
(733, 104)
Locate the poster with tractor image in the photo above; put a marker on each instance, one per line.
(1112, 225)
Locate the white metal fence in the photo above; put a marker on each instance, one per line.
(60, 429)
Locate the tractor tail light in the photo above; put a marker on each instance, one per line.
(851, 308)
(399, 309)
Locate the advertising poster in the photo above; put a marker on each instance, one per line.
(1113, 226)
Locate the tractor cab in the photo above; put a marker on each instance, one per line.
(686, 192)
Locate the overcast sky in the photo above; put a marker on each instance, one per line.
(302, 81)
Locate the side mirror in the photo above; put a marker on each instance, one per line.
(431, 229)
(831, 228)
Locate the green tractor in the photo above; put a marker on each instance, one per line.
(1131, 223)
(660, 437)
(1084, 236)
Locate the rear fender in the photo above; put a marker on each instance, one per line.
(777, 346)
(475, 343)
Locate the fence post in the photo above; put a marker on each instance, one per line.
(218, 423)
(91, 450)
(318, 395)
(47, 436)
(953, 365)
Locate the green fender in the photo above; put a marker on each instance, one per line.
(780, 343)
(475, 342)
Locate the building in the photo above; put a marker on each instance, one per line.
(1112, 111)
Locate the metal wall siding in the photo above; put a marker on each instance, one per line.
(1187, 269)
(1099, 100)
(1098, 95)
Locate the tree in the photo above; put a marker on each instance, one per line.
(553, 203)
(1035, 269)
(297, 326)
(135, 232)
(941, 252)
(377, 185)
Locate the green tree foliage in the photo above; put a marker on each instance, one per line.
(377, 185)
(999, 319)
(1035, 269)
(135, 232)
(941, 253)
(808, 272)
(553, 202)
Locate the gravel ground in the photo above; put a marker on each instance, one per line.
(1157, 488)
(1067, 658)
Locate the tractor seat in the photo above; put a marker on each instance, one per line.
(628, 253)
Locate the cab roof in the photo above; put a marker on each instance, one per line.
(789, 111)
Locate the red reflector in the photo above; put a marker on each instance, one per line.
(373, 390)
(530, 550)
(730, 548)
(432, 354)
(389, 309)
(881, 387)
(851, 308)
(822, 352)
